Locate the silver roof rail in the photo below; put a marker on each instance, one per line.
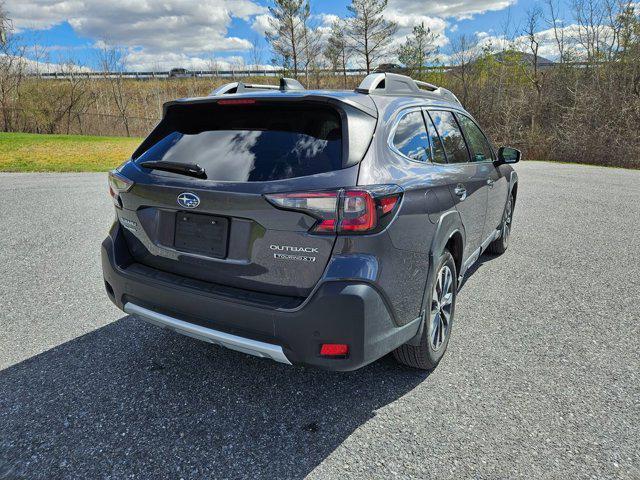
(286, 84)
(396, 84)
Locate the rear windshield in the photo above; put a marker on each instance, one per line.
(249, 143)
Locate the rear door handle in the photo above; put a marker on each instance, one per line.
(490, 182)
(461, 191)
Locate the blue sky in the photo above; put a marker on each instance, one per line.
(160, 34)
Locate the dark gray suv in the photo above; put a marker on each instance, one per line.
(325, 228)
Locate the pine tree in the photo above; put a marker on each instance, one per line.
(289, 31)
(369, 31)
(337, 49)
(419, 48)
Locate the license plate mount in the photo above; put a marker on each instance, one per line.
(201, 234)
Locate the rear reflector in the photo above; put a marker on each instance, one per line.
(334, 350)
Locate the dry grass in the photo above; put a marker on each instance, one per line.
(25, 152)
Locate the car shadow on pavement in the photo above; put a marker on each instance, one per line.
(133, 400)
(484, 258)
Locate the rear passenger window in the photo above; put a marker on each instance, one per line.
(411, 138)
(436, 144)
(478, 144)
(451, 136)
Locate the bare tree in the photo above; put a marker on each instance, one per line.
(532, 69)
(312, 46)
(5, 24)
(464, 52)
(13, 68)
(622, 23)
(212, 64)
(332, 51)
(629, 51)
(288, 31)
(257, 52)
(69, 101)
(337, 49)
(628, 28)
(594, 32)
(112, 60)
(553, 20)
(369, 31)
(237, 64)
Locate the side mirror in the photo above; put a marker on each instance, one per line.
(508, 155)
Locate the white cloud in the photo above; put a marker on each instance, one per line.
(261, 24)
(39, 15)
(140, 61)
(34, 66)
(154, 27)
(407, 22)
(548, 46)
(327, 19)
(143, 61)
(446, 8)
(162, 34)
(410, 21)
(434, 15)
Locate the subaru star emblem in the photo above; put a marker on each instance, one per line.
(188, 200)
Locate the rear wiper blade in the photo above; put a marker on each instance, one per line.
(190, 169)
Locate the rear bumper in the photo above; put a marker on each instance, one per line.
(338, 311)
(234, 342)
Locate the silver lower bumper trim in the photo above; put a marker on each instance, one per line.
(234, 342)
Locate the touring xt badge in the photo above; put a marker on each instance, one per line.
(291, 251)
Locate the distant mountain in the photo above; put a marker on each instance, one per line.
(526, 58)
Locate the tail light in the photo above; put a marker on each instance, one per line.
(118, 184)
(358, 212)
(321, 205)
(343, 211)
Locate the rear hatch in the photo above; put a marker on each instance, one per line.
(223, 228)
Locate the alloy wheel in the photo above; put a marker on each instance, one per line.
(506, 225)
(441, 305)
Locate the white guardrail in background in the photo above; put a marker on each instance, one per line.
(202, 73)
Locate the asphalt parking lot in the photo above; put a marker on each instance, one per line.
(541, 379)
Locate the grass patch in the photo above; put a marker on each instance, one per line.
(28, 152)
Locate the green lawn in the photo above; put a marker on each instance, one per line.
(28, 152)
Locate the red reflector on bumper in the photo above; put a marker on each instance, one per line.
(334, 350)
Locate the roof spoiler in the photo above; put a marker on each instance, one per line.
(286, 84)
(396, 84)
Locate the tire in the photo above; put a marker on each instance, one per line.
(499, 246)
(428, 353)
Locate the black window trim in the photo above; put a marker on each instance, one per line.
(425, 111)
(455, 113)
(401, 114)
(464, 138)
(493, 152)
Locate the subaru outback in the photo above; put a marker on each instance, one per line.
(324, 228)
